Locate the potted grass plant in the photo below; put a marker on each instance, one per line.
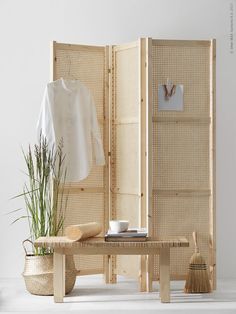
(45, 204)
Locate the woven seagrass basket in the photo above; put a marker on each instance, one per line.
(38, 274)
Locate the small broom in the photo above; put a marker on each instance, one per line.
(197, 279)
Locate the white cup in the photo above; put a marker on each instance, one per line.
(118, 225)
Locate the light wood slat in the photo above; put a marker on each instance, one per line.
(150, 259)
(142, 153)
(204, 120)
(180, 192)
(181, 43)
(118, 192)
(110, 129)
(85, 272)
(212, 213)
(75, 47)
(52, 61)
(142, 135)
(107, 158)
(112, 146)
(130, 120)
(125, 46)
(77, 190)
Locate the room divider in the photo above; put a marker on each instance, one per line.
(160, 162)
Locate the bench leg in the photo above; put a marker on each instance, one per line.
(150, 269)
(165, 274)
(143, 273)
(106, 259)
(58, 276)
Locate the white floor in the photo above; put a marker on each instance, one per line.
(91, 295)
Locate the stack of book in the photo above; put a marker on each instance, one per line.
(139, 234)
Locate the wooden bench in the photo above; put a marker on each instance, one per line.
(97, 245)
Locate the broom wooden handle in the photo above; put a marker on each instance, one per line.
(195, 242)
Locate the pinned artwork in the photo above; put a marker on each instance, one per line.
(170, 97)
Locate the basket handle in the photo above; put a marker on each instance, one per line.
(23, 244)
(195, 242)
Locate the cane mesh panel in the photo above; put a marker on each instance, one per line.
(125, 146)
(86, 198)
(181, 151)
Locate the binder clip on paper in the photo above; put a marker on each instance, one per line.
(169, 89)
(170, 96)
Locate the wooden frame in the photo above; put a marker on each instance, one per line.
(149, 193)
(67, 61)
(126, 161)
(213, 166)
(203, 129)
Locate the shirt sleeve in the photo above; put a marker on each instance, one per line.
(97, 141)
(45, 121)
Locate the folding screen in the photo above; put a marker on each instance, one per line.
(160, 164)
(183, 151)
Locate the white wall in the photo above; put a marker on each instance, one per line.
(27, 27)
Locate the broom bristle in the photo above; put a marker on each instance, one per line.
(197, 279)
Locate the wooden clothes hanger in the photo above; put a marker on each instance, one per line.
(69, 74)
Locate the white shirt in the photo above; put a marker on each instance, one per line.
(69, 113)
